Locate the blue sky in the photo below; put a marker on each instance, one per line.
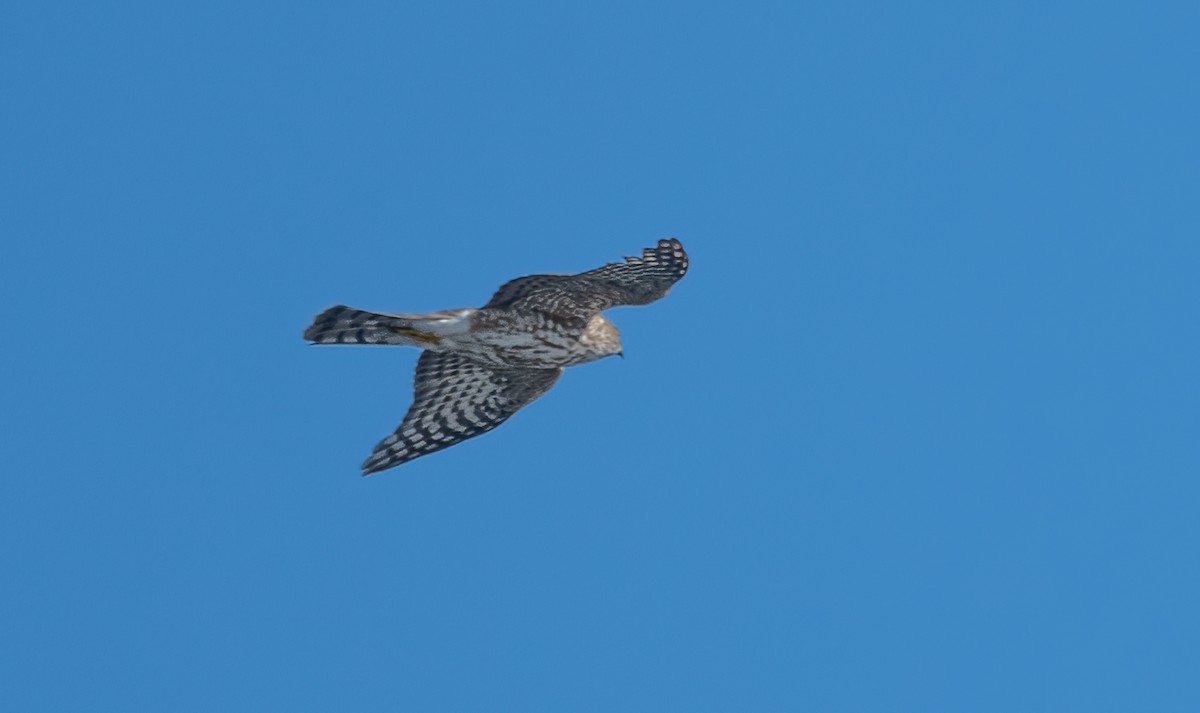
(917, 431)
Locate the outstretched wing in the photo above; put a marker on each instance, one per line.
(637, 281)
(455, 399)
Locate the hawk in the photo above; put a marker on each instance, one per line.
(480, 366)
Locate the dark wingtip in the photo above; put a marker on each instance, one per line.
(375, 464)
(669, 251)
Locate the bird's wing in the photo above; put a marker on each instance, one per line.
(518, 289)
(637, 281)
(455, 399)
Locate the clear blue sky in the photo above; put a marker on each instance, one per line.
(918, 432)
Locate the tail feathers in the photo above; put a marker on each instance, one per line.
(346, 325)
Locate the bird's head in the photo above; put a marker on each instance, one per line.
(601, 338)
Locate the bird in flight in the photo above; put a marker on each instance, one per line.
(480, 366)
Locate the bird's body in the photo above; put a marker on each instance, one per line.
(481, 365)
(495, 337)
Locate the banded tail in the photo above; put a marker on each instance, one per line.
(346, 325)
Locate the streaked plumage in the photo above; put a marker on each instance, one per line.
(481, 365)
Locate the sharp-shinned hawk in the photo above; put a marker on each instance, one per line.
(481, 365)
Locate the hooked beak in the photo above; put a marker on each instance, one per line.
(621, 354)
